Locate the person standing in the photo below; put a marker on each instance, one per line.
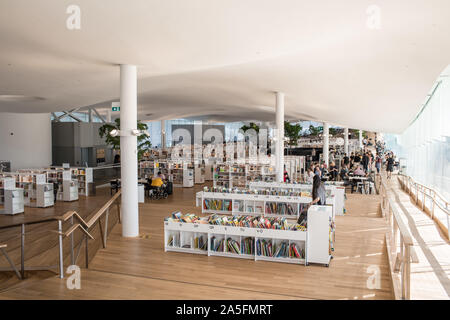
(346, 160)
(357, 159)
(286, 176)
(318, 192)
(378, 164)
(390, 166)
(365, 162)
(309, 175)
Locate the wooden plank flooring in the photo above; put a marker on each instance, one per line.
(139, 268)
(430, 277)
(41, 245)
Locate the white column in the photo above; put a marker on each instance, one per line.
(128, 150)
(163, 134)
(279, 143)
(326, 143)
(346, 141)
(360, 139)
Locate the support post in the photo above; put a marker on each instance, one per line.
(61, 257)
(72, 257)
(326, 143)
(360, 139)
(22, 252)
(346, 142)
(163, 134)
(128, 146)
(279, 143)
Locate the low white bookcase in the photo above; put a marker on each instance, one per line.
(332, 189)
(315, 242)
(14, 201)
(254, 204)
(44, 195)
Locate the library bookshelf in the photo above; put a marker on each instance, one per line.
(255, 204)
(314, 245)
(199, 174)
(240, 175)
(83, 176)
(336, 190)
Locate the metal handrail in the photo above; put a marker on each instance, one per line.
(413, 188)
(400, 256)
(82, 225)
(85, 227)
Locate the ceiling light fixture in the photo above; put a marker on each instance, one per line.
(114, 133)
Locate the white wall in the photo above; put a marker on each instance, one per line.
(26, 139)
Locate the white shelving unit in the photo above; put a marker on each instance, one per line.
(180, 237)
(188, 177)
(28, 181)
(70, 190)
(240, 175)
(13, 201)
(321, 234)
(199, 174)
(6, 183)
(183, 175)
(332, 190)
(44, 195)
(209, 172)
(251, 204)
(84, 176)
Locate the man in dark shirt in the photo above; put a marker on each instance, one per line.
(357, 159)
(346, 160)
(390, 166)
(365, 161)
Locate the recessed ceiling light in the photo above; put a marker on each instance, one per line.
(18, 97)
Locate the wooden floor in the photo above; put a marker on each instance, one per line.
(139, 268)
(41, 245)
(430, 277)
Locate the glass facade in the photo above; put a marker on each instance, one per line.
(425, 144)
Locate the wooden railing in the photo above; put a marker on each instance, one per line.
(400, 246)
(85, 227)
(421, 194)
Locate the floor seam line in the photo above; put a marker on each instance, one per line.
(199, 284)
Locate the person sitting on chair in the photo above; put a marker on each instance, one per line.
(157, 182)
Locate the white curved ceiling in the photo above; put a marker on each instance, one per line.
(223, 59)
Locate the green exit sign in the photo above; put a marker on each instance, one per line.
(115, 106)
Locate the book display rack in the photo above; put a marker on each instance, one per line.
(6, 183)
(268, 205)
(28, 180)
(240, 175)
(44, 195)
(255, 238)
(335, 190)
(14, 201)
(199, 173)
(83, 176)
